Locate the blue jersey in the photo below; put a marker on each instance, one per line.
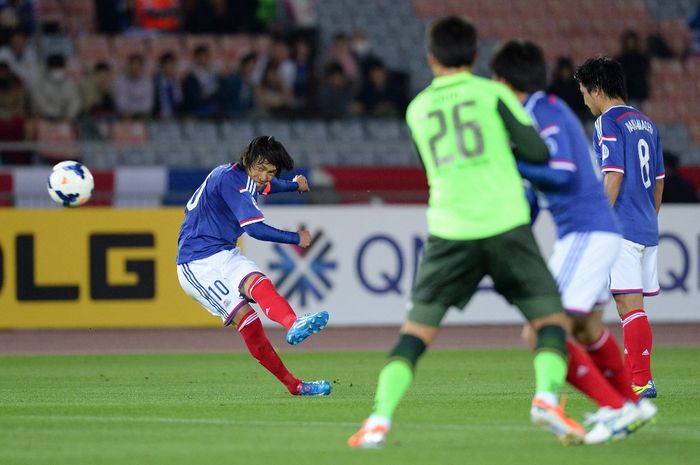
(219, 209)
(581, 205)
(626, 141)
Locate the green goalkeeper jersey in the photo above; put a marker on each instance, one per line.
(464, 127)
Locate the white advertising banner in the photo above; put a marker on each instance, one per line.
(362, 262)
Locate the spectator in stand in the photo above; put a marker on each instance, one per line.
(133, 90)
(341, 53)
(272, 97)
(362, 50)
(20, 57)
(337, 92)
(694, 26)
(657, 46)
(238, 89)
(379, 97)
(97, 92)
(53, 95)
(157, 15)
(282, 56)
(12, 114)
(202, 87)
(167, 89)
(636, 66)
(565, 86)
(305, 79)
(677, 189)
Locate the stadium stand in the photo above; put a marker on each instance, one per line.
(395, 31)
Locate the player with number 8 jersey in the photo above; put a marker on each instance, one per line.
(628, 146)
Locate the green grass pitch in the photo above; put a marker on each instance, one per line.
(467, 406)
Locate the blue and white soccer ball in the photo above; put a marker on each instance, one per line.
(70, 184)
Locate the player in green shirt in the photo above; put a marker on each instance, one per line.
(478, 224)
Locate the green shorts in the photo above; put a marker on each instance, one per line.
(450, 272)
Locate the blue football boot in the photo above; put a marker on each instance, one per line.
(306, 326)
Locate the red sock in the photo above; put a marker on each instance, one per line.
(636, 332)
(585, 376)
(272, 304)
(260, 348)
(605, 353)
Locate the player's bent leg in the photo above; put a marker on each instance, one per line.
(394, 380)
(259, 287)
(582, 373)
(605, 352)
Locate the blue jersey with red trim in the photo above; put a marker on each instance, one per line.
(628, 142)
(216, 213)
(581, 205)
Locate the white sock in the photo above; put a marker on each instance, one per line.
(548, 397)
(375, 420)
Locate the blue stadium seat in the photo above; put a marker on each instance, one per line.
(201, 131)
(347, 130)
(313, 131)
(279, 129)
(164, 131)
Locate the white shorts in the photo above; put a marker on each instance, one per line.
(634, 271)
(581, 264)
(215, 281)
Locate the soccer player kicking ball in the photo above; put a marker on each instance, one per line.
(212, 270)
(588, 242)
(628, 147)
(478, 224)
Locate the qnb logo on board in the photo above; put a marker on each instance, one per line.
(304, 273)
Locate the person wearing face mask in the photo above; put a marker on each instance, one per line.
(53, 95)
(362, 51)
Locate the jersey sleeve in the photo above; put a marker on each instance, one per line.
(660, 168)
(612, 146)
(559, 144)
(279, 185)
(242, 205)
(529, 146)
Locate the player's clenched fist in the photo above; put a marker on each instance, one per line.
(304, 238)
(303, 183)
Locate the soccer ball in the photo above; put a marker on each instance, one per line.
(70, 184)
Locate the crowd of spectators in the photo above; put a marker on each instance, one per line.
(289, 76)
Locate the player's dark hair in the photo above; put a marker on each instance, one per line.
(605, 74)
(266, 149)
(521, 63)
(452, 41)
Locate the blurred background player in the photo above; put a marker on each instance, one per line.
(212, 270)
(588, 242)
(463, 126)
(628, 147)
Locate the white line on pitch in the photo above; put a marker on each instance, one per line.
(672, 430)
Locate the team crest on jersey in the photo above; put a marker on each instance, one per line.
(304, 275)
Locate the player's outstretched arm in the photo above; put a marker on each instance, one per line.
(544, 176)
(265, 232)
(299, 184)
